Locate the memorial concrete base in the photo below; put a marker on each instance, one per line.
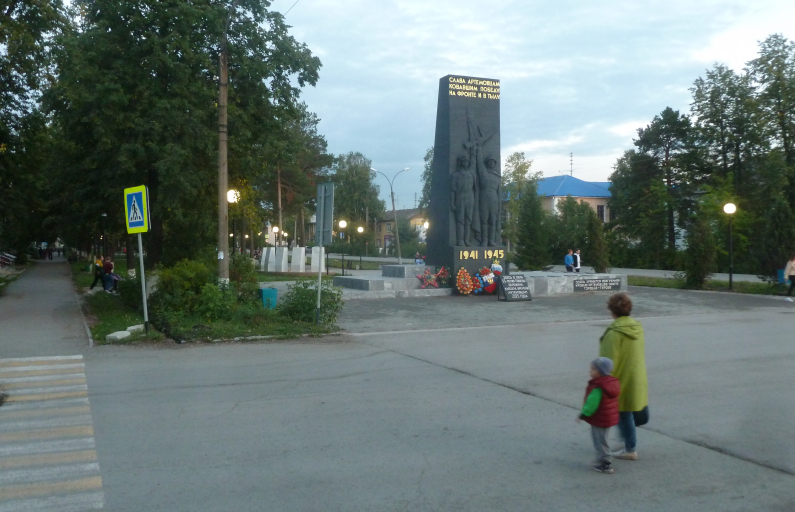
(540, 284)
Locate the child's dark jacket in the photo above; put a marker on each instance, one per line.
(606, 414)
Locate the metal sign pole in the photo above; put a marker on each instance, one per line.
(318, 227)
(143, 282)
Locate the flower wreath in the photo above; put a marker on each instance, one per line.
(463, 282)
(429, 279)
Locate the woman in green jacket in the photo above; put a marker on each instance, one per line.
(623, 343)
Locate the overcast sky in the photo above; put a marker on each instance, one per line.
(576, 77)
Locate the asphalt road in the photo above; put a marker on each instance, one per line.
(440, 404)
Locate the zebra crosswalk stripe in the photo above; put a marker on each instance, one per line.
(48, 458)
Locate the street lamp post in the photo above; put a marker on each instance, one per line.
(104, 239)
(729, 209)
(343, 224)
(360, 230)
(276, 236)
(232, 196)
(394, 211)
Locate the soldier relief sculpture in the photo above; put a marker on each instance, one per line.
(475, 192)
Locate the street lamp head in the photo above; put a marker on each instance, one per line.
(343, 224)
(729, 208)
(373, 169)
(360, 229)
(246, 236)
(233, 196)
(275, 229)
(231, 235)
(425, 225)
(406, 169)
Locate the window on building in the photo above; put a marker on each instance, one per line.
(379, 228)
(388, 227)
(612, 215)
(600, 212)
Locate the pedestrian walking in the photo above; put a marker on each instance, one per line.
(568, 260)
(600, 409)
(577, 260)
(623, 342)
(99, 270)
(789, 271)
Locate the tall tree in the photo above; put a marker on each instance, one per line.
(425, 197)
(355, 191)
(596, 245)
(639, 200)
(774, 73)
(136, 103)
(668, 140)
(26, 33)
(726, 116)
(532, 251)
(515, 177)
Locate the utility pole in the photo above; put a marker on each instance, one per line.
(394, 211)
(223, 135)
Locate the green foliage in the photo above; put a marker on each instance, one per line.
(532, 251)
(597, 249)
(568, 229)
(355, 191)
(774, 245)
(130, 293)
(180, 287)
(243, 276)
(409, 240)
(135, 103)
(300, 303)
(214, 303)
(699, 257)
(515, 178)
(427, 169)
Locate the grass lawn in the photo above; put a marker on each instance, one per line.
(107, 313)
(715, 286)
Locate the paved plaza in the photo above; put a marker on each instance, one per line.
(450, 403)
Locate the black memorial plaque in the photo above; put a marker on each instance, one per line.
(465, 203)
(513, 287)
(602, 284)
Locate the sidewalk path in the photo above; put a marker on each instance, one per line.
(39, 314)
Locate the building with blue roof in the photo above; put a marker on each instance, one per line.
(557, 188)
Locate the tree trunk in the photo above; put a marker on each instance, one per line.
(303, 228)
(279, 235)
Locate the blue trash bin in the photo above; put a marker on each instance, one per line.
(782, 279)
(269, 297)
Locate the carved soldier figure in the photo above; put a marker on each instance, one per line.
(462, 199)
(489, 182)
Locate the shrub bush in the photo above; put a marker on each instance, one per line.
(300, 302)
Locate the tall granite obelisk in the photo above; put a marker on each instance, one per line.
(466, 194)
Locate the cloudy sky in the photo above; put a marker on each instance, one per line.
(576, 77)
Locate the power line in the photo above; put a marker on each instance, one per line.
(291, 7)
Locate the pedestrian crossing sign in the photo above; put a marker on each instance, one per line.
(136, 208)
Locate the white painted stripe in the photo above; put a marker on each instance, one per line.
(51, 358)
(60, 445)
(44, 404)
(70, 471)
(51, 389)
(43, 378)
(68, 421)
(73, 503)
(7, 369)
